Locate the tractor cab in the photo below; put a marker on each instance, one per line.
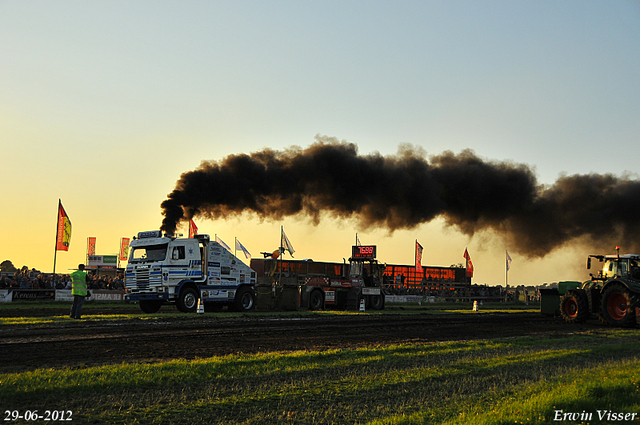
(617, 266)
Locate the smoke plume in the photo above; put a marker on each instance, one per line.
(407, 189)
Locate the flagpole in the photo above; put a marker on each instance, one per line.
(281, 250)
(55, 252)
(506, 273)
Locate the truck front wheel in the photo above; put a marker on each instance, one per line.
(150, 306)
(188, 300)
(574, 307)
(617, 307)
(245, 299)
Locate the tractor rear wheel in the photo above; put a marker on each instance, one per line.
(574, 307)
(617, 308)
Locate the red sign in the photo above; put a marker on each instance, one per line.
(363, 252)
(124, 249)
(91, 246)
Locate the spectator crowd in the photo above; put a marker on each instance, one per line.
(33, 279)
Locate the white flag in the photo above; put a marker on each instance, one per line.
(240, 247)
(286, 243)
(221, 242)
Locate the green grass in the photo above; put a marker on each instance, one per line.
(520, 380)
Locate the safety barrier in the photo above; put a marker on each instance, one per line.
(15, 294)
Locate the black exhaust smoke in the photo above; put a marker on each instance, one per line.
(405, 190)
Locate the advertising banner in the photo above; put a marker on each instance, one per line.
(34, 295)
(91, 246)
(6, 295)
(124, 249)
(64, 295)
(107, 296)
(103, 260)
(63, 232)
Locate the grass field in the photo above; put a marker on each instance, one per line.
(526, 380)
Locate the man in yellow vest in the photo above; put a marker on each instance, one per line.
(78, 290)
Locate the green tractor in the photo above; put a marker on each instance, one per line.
(612, 295)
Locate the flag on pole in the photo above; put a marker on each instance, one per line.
(193, 229)
(469, 263)
(240, 247)
(91, 246)
(357, 240)
(418, 257)
(63, 233)
(286, 243)
(221, 242)
(124, 249)
(508, 260)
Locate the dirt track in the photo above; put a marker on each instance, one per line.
(99, 342)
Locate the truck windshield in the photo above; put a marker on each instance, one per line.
(141, 254)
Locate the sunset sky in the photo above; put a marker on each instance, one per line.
(105, 104)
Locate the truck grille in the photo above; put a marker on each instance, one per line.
(142, 278)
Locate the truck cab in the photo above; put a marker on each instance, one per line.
(164, 269)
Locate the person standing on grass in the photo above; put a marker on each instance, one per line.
(78, 290)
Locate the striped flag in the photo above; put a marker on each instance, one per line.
(508, 260)
(221, 242)
(241, 247)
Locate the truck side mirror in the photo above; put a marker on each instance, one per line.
(588, 263)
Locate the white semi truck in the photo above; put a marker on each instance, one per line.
(167, 270)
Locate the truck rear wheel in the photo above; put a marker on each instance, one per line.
(617, 307)
(316, 300)
(245, 299)
(150, 306)
(188, 300)
(574, 307)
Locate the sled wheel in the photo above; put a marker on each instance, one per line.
(316, 300)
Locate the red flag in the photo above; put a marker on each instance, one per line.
(63, 233)
(469, 263)
(124, 249)
(91, 246)
(418, 257)
(193, 229)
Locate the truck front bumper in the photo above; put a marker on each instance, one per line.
(148, 296)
